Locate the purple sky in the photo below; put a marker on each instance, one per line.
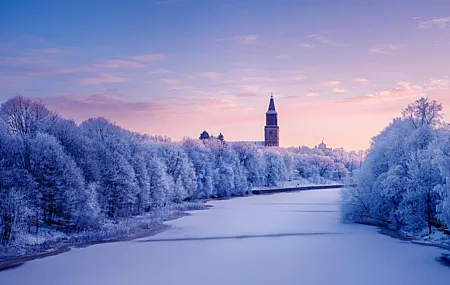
(338, 69)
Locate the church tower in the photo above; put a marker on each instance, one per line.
(271, 130)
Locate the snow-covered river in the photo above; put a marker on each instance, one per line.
(291, 238)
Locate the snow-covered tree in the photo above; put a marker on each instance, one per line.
(201, 158)
(275, 170)
(25, 116)
(423, 112)
(58, 179)
(404, 179)
(179, 168)
(118, 184)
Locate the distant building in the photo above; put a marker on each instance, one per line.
(323, 146)
(271, 130)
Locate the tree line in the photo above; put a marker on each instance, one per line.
(405, 180)
(55, 172)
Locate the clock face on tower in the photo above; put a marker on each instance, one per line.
(270, 133)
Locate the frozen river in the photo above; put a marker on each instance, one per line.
(291, 238)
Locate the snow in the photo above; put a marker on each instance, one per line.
(290, 238)
(300, 182)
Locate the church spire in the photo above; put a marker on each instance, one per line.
(271, 130)
(271, 106)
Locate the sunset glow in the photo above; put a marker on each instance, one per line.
(339, 71)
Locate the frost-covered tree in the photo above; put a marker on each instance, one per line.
(423, 112)
(142, 180)
(118, 184)
(79, 146)
(160, 191)
(275, 170)
(418, 207)
(251, 159)
(404, 179)
(180, 170)
(25, 116)
(58, 179)
(201, 158)
(15, 184)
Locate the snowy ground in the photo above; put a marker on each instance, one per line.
(298, 183)
(290, 238)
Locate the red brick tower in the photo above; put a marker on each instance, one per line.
(271, 130)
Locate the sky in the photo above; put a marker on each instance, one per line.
(339, 70)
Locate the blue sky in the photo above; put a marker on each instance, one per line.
(339, 69)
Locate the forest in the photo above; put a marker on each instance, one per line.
(58, 177)
(404, 182)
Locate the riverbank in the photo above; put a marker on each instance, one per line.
(14, 262)
(125, 230)
(429, 240)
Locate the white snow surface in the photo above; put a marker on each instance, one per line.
(300, 182)
(289, 238)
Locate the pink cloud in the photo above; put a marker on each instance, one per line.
(242, 70)
(312, 94)
(251, 88)
(159, 71)
(24, 60)
(245, 39)
(436, 22)
(257, 83)
(119, 63)
(227, 83)
(55, 51)
(247, 95)
(443, 83)
(177, 88)
(385, 49)
(14, 61)
(176, 120)
(360, 80)
(262, 79)
(102, 78)
(148, 57)
(338, 90)
(101, 98)
(31, 72)
(105, 105)
(306, 45)
(404, 90)
(324, 39)
(320, 38)
(211, 75)
(331, 83)
(170, 80)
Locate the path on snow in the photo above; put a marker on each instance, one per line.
(290, 238)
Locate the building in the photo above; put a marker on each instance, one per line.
(271, 130)
(323, 146)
